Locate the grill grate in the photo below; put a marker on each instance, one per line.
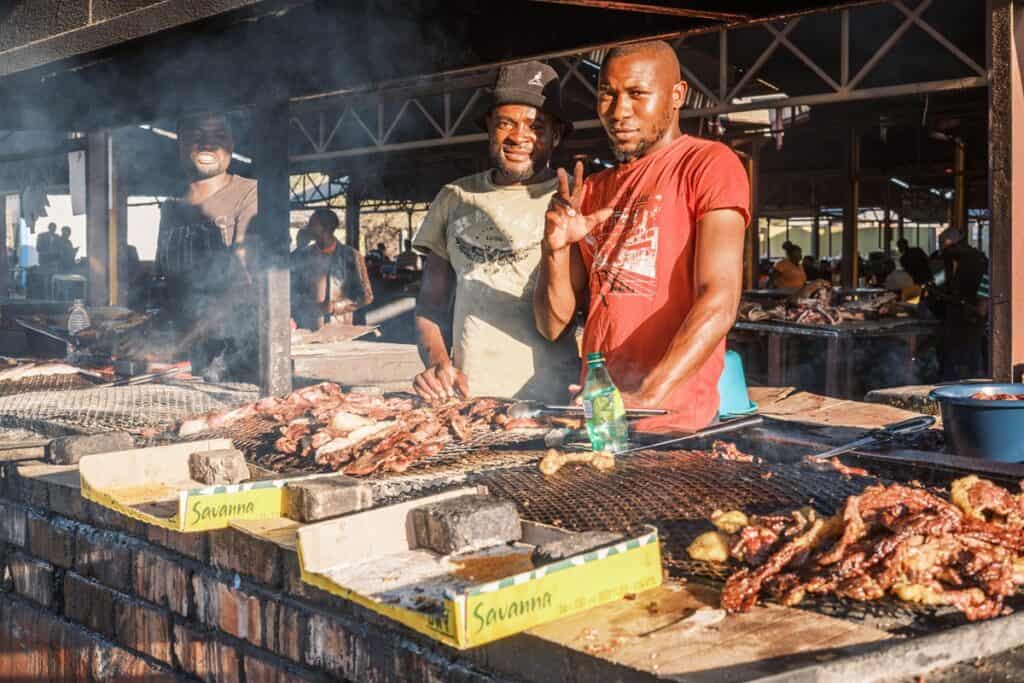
(47, 383)
(100, 409)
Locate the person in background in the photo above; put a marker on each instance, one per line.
(45, 246)
(915, 261)
(330, 279)
(482, 238)
(652, 249)
(789, 272)
(902, 283)
(64, 251)
(961, 307)
(764, 274)
(206, 253)
(408, 259)
(811, 268)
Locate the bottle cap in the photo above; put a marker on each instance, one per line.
(595, 358)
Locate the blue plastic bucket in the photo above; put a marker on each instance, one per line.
(993, 430)
(733, 398)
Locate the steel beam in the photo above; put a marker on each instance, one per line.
(352, 227)
(1006, 172)
(644, 8)
(98, 189)
(751, 250)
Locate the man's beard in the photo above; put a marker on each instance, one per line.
(516, 175)
(624, 156)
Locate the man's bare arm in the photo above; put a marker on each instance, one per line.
(719, 263)
(433, 315)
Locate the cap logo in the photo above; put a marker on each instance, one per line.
(537, 80)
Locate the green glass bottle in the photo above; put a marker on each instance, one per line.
(603, 408)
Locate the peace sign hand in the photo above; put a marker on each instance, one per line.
(564, 223)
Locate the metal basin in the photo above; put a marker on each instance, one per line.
(993, 430)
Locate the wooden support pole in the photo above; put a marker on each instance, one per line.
(887, 226)
(5, 264)
(851, 258)
(900, 232)
(751, 248)
(815, 223)
(1006, 171)
(270, 161)
(352, 202)
(959, 218)
(97, 215)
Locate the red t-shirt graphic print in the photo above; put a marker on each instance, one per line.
(642, 269)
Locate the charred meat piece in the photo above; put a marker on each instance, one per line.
(890, 540)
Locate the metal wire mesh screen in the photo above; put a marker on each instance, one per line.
(47, 383)
(132, 408)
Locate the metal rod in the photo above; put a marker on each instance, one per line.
(644, 8)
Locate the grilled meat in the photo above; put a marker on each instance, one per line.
(890, 540)
(982, 396)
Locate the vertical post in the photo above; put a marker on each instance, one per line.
(5, 265)
(887, 226)
(352, 201)
(97, 215)
(1006, 165)
(751, 249)
(850, 256)
(114, 223)
(900, 227)
(815, 223)
(959, 187)
(270, 160)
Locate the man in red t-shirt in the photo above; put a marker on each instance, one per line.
(652, 249)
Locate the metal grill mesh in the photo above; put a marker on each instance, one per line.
(132, 408)
(47, 383)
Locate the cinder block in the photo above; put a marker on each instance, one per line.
(222, 466)
(311, 500)
(554, 551)
(161, 580)
(31, 578)
(143, 628)
(51, 540)
(68, 450)
(466, 523)
(90, 604)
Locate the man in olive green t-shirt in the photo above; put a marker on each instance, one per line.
(482, 240)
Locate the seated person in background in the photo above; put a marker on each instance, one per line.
(811, 268)
(899, 281)
(789, 272)
(764, 274)
(64, 251)
(329, 278)
(408, 259)
(915, 262)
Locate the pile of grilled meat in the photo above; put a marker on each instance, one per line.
(812, 305)
(361, 433)
(904, 541)
(982, 396)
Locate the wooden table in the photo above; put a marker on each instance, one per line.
(841, 371)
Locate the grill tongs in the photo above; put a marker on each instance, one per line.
(881, 436)
(532, 409)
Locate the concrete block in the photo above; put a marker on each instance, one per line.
(225, 466)
(314, 499)
(68, 450)
(554, 551)
(465, 523)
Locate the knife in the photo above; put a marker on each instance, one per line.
(713, 430)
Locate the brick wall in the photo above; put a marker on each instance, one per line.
(90, 595)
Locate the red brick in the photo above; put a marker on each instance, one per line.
(204, 657)
(235, 612)
(196, 546)
(237, 552)
(51, 540)
(12, 524)
(102, 556)
(31, 578)
(284, 626)
(143, 628)
(89, 603)
(117, 666)
(38, 646)
(110, 519)
(328, 648)
(263, 671)
(69, 503)
(161, 580)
